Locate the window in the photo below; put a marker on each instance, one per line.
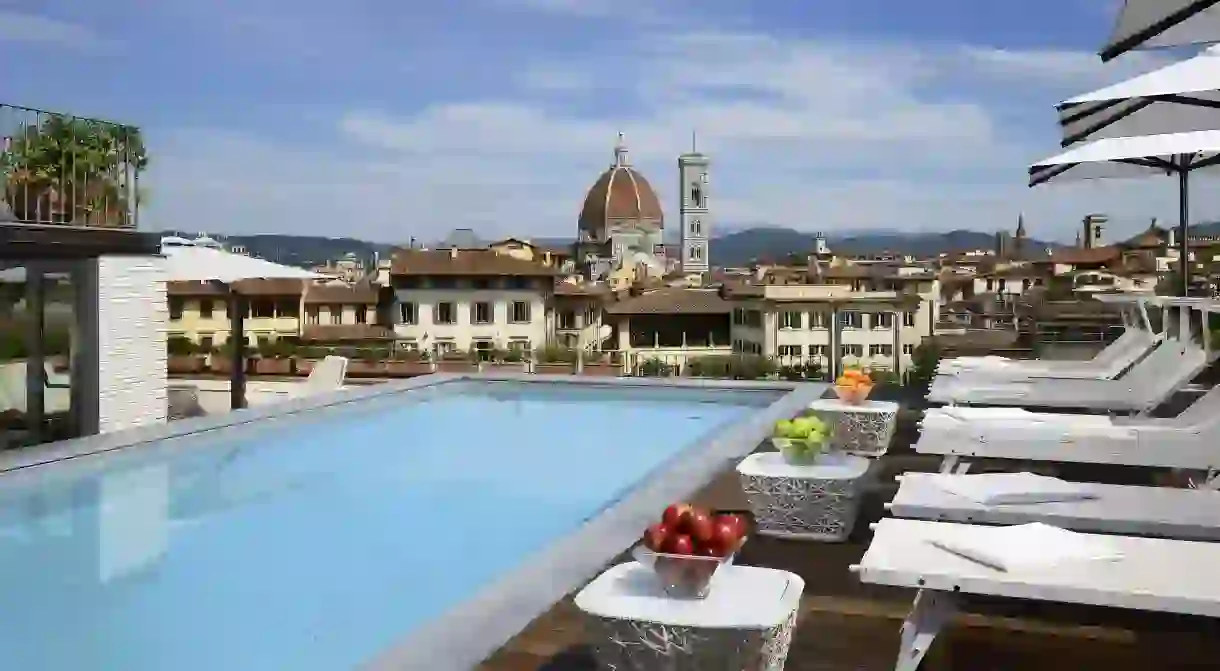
(442, 283)
(311, 315)
(852, 350)
(520, 313)
(480, 313)
(408, 313)
(336, 314)
(207, 343)
(696, 227)
(445, 346)
(819, 350)
(205, 308)
(567, 319)
(444, 313)
(694, 253)
(883, 320)
(908, 349)
(790, 320)
(817, 320)
(262, 308)
(484, 349)
(696, 195)
(851, 319)
(362, 314)
(480, 283)
(408, 346)
(908, 319)
(790, 350)
(175, 307)
(515, 282)
(288, 307)
(519, 345)
(881, 350)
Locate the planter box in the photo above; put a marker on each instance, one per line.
(178, 363)
(366, 368)
(502, 367)
(275, 366)
(408, 368)
(456, 366)
(304, 366)
(221, 363)
(554, 368)
(601, 369)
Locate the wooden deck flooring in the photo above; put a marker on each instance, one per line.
(845, 625)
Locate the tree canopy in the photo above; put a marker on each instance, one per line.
(74, 171)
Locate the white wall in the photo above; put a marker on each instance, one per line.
(132, 321)
(427, 333)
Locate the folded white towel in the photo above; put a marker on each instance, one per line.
(997, 489)
(1026, 546)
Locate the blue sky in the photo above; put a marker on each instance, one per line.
(389, 120)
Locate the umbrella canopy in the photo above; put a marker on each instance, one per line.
(1148, 24)
(1177, 154)
(204, 264)
(207, 264)
(1177, 98)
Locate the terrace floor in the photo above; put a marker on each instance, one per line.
(845, 625)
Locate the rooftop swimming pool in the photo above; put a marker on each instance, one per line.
(415, 525)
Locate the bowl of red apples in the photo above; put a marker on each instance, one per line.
(688, 546)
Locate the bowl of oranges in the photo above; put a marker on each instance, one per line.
(853, 386)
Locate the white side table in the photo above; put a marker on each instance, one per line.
(815, 502)
(745, 623)
(864, 429)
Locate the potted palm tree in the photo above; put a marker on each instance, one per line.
(184, 356)
(274, 358)
(554, 360)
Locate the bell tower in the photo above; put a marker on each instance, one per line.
(695, 218)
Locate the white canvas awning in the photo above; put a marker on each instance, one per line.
(1148, 24)
(204, 264)
(1139, 156)
(1177, 98)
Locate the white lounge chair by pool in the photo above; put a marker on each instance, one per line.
(1172, 364)
(1167, 512)
(1170, 576)
(1137, 340)
(327, 376)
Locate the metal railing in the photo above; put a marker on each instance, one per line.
(59, 169)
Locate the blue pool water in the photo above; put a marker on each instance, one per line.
(315, 541)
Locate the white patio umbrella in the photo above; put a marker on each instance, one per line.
(205, 264)
(1179, 154)
(1150, 24)
(1177, 98)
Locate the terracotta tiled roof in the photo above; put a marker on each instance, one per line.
(359, 293)
(465, 262)
(1081, 255)
(620, 194)
(345, 332)
(672, 300)
(571, 289)
(194, 289)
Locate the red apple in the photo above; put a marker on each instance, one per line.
(698, 524)
(655, 536)
(672, 517)
(725, 538)
(738, 522)
(705, 550)
(679, 544)
(687, 518)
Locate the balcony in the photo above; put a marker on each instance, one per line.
(64, 170)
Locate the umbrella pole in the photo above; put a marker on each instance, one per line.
(1184, 225)
(237, 339)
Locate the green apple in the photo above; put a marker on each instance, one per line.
(783, 428)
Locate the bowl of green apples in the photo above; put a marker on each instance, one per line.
(800, 440)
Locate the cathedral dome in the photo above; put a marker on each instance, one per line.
(620, 197)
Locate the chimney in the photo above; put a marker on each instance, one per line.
(453, 252)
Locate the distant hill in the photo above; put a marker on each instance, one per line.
(734, 249)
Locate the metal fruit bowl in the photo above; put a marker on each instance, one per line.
(683, 576)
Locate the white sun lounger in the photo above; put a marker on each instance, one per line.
(1173, 363)
(1137, 340)
(327, 376)
(1169, 576)
(1167, 512)
(995, 431)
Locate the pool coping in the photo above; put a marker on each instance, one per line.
(467, 634)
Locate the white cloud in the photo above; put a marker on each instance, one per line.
(819, 135)
(34, 29)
